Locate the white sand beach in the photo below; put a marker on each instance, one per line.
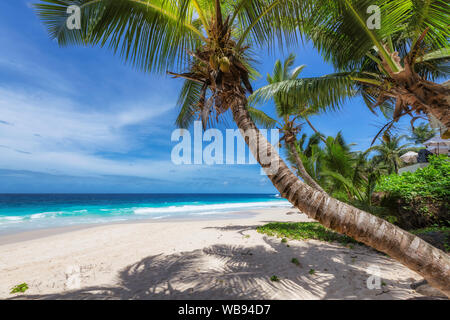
(201, 259)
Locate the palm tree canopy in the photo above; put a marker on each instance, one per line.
(339, 29)
(157, 35)
(208, 39)
(282, 71)
(389, 151)
(413, 34)
(421, 133)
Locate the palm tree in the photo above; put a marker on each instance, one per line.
(392, 66)
(159, 35)
(390, 150)
(341, 172)
(421, 133)
(288, 126)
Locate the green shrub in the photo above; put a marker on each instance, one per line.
(417, 199)
(20, 288)
(432, 181)
(303, 230)
(274, 278)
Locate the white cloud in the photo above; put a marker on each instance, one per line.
(63, 138)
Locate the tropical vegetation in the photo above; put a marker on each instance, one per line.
(418, 199)
(391, 66)
(421, 133)
(289, 116)
(303, 231)
(389, 151)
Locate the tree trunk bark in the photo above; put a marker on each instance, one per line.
(418, 255)
(422, 95)
(301, 169)
(436, 99)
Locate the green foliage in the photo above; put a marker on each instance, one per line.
(20, 288)
(338, 30)
(295, 261)
(302, 231)
(311, 271)
(282, 71)
(421, 133)
(417, 199)
(274, 278)
(389, 151)
(432, 181)
(346, 175)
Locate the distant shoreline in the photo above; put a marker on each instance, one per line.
(28, 212)
(25, 235)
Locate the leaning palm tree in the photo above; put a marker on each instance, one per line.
(209, 42)
(288, 123)
(392, 65)
(389, 151)
(309, 153)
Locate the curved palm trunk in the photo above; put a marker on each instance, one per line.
(421, 257)
(301, 169)
(426, 96)
(434, 97)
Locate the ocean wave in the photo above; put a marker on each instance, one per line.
(92, 214)
(10, 219)
(223, 207)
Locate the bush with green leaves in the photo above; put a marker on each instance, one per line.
(432, 181)
(20, 288)
(421, 198)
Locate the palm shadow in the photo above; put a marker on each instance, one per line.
(244, 272)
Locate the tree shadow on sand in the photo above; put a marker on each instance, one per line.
(244, 272)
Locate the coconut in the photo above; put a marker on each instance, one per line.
(225, 64)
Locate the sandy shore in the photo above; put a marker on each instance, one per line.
(204, 259)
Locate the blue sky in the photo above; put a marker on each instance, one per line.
(79, 120)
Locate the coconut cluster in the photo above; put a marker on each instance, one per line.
(218, 66)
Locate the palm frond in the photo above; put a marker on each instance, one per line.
(340, 32)
(268, 22)
(296, 72)
(148, 34)
(188, 102)
(320, 93)
(261, 118)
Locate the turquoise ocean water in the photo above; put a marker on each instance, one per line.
(20, 212)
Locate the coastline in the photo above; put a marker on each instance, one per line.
(196, 259)
(27, 235)
(20, 213)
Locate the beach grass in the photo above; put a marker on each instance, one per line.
(303, 231)
(20, 288)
